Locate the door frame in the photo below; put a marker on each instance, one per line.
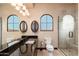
(59, 18)
(1, 31)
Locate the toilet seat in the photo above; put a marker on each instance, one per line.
(49, 48)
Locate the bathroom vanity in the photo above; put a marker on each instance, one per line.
(14, 48)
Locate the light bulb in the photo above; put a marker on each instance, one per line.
(24, 8)
(21, 11)
(13, 4)
(27, 12)
(17, 8)
(23, 14)
(20, 4)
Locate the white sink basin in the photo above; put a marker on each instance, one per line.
(30, 42)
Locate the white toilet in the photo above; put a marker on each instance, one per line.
(49, 46)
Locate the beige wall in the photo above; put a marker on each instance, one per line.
(35, 13)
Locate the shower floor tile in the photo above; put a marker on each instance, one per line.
(70, 52)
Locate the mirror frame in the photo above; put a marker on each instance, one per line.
(34, 23)
(25, 29)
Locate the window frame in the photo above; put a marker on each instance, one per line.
(13, 30)
(46, 23)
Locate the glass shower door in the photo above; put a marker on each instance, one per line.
(66, 35)
(62, 37)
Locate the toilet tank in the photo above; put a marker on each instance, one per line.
(48, 40)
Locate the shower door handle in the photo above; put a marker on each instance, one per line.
(70, 34)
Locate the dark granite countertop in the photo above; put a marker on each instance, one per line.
(21, 41)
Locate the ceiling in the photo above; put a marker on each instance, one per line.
(29, 5)
(32, 5)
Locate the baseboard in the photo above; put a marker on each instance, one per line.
(45, 48)
(40, 48)
(55, 48)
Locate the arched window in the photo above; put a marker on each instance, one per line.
(13, 22)
(46, 22)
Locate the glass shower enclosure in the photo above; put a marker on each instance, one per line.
(0, 33)
(68, 43)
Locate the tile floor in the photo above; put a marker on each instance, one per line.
(44, 52)
(56, 52)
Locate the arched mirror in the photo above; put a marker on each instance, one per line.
(23, 26)
(34, 26)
